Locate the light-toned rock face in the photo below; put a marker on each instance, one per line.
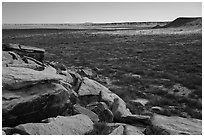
(176, 125)
(157, 109)
(91, 90)
(125, 129)
(30, 104)
(73, 125)
(133, 130)
(119, 109)
(3, 133)
(89, 87)
(56, 100)
(102, 110)
(89, 113)
(139, 101)
(33, 52)
(118, 131)
(16, 77)
(10, 58)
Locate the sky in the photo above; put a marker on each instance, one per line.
(98, 12)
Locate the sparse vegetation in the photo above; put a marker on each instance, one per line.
(159, 60)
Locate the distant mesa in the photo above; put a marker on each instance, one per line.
(183, 22)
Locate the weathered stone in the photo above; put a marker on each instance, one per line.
(102, 110)
(68, 78)
(3, 133)
(58, 66)
(77, 80)
(137, 106)
(139, 102)
(13, 131)
(91, 91)
(15, 77)
(128, 129)
(85, 100)
(108, 97)
(9, 58)
(135, 119)
(157, 109)
(22, 50)
(50, 70)
(86, 72)
(82, 110)
(118, 131)
(119, 109)
(133, 130)
(92, 88)
(89, 87)
(175, 125)
(32, 104)
(73, 125)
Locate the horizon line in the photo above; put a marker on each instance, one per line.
(89, 22)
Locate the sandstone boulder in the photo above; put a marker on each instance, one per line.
(139, 102)
(86, 72)
(119, 109)
(118, 131)
(137, 106)
(133, 130)
(12, 59)
(77, 80)
(3, 133)
(73, 125)
(157, 109)
(125, 129)
(102, 110)
(93, 89)
(34, 103)
(89, 87)
(175, 125)
(22, 50)
(82, 110)
(16, 77)
(122, 114)
(9, 58)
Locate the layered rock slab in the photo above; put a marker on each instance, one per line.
(72, 125)
(17, 77)
(23, 50)
(175, 125)
(32, 104)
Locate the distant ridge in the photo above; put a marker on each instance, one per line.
(182, 21)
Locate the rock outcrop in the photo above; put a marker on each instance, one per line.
(73, 125)
(50, 99)
(17, 77)
(102, 110)
(32, 104)
(174, 125)
(118, 131)
(81, 110)
(36, 53)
